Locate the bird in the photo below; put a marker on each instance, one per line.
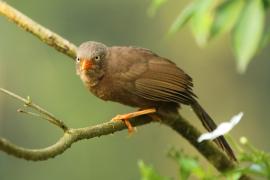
(138, 77)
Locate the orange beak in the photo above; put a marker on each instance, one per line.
(86, 64)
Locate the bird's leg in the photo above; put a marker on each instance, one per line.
(155, 117)
(126, 117)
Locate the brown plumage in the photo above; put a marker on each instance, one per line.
(140, 78)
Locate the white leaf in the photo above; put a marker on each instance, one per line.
(222, 129)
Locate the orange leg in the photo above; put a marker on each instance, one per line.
(155, 117)
(125, 117)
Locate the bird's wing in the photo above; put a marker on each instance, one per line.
(158, 79)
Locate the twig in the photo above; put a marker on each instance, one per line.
(180, 125)
(39, 116)
(27, 102)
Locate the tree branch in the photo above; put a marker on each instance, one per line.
(44, 34)
(176, 122)
(70, 136)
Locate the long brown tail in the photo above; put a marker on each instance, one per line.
(210, 125)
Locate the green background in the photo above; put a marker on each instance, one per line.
(29, 67)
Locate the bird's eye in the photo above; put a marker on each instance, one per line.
(97, 58)
(77, 59)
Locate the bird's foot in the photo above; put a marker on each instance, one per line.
(126, 117)
(154, 116)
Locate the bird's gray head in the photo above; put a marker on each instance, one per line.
(90, 60)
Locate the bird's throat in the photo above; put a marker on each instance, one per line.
(88, 80)
(91, 79)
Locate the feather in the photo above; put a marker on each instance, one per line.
(164, 81)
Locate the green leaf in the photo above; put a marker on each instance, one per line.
(265, 38)
(266, 3)
(148, 172)
(188, 165)
(202, 20)
(234, 176)
(183, 18)
(226, 16)
(248, 33)
(154, 7)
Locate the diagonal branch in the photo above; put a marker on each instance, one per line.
(44, 34)
(179, 124)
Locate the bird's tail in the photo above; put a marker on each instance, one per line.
(210, 125)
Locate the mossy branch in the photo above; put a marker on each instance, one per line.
(179, 124)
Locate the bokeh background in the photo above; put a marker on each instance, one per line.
(29, 67)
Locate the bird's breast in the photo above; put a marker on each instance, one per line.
(100, 88)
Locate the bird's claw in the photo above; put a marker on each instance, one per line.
(124, 118)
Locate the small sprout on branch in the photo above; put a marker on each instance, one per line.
(243, 140)
(29, 101)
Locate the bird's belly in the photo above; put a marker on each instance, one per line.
(100, 93)
(131, 99)
(143, 103)
(108, 93)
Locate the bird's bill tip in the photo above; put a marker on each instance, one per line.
(86, 64)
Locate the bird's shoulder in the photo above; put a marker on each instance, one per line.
(130, 53)
(135, 62)
(124, 57)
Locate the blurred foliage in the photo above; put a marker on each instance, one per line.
(154, 6)
(252, 161)
(243, 19)
(149, 173)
